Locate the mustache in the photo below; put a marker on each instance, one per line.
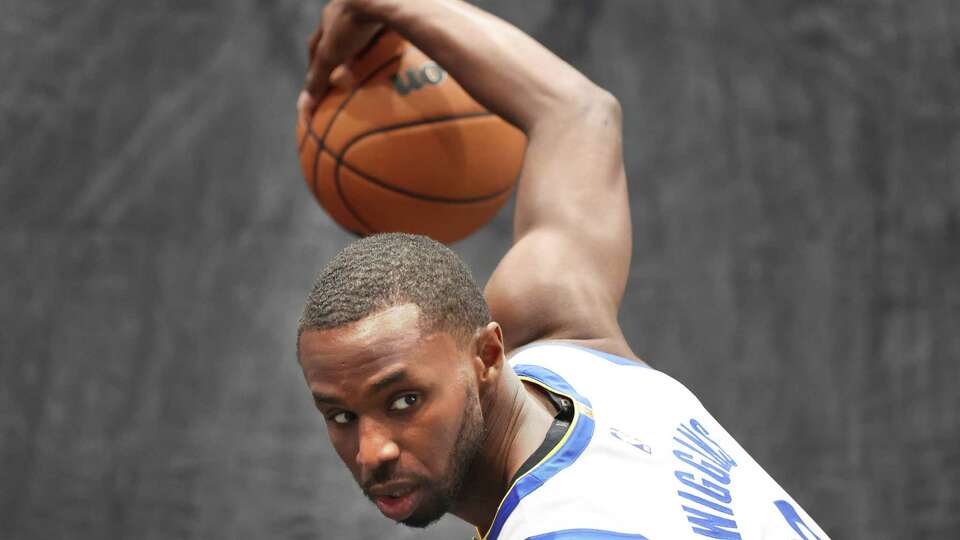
(388, 475)
(381, 475)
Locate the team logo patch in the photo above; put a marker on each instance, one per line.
(631, 440)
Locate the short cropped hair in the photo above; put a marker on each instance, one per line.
(384, 270)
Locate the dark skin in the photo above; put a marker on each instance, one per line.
(361, 376)
(572, 225)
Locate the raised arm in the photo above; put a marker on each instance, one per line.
(565, 274)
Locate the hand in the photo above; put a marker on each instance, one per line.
(342, 33)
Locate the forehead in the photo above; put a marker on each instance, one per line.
(384, 341)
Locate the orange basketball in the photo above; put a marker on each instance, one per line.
(406, 149)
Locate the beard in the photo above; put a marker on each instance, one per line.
(440, 496)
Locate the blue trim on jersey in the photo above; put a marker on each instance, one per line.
(619, 360)
(576, 442)
(585, 534)
(550, 379)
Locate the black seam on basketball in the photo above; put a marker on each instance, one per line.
(411, 123)
(316, 165)
(396, 189)
(322, 147)
(340, 107)
(306, 133)
(423, 197)
(373, 42)
(353, 92)
(343, 198)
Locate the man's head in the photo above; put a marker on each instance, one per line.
(396, 344)
(390, 269)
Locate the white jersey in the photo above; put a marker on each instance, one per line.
(642, 459)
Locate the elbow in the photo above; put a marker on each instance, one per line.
(588, 98)
(605, 106)
(586, 104)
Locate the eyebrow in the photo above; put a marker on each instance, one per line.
(326, 398)
(378, 385)
(389, 379)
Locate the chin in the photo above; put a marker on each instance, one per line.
(427, 514)
(420, 522)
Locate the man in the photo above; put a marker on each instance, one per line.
(574, 437)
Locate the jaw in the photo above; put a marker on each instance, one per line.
(477, 493)
(447, 495)
(515, 421)
(346, 363)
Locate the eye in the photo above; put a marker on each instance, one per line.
(404, 402)
(341, 418)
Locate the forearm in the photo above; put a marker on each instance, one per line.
(505, 70)
(572, 219)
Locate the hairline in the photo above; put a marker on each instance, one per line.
(424, 324)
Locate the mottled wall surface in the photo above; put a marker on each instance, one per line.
(794, 180)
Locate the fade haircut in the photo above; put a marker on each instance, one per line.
(385, 270)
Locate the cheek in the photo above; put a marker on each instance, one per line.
(346, 447)
(435, 435)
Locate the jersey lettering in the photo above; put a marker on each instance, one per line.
(704, 477)
(795, 521)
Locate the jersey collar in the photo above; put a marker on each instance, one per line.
(564, 454)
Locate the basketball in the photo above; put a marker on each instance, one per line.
(404, 148)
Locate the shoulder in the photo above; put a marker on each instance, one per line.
(596, 378)
(610, 351)
(586, 534)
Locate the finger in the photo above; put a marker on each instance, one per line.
(320, 65)
(342, 77)
(339, 39)
(306, 105)
(312, 43)
(318, 77)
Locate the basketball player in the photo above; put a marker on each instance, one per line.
(520, 409)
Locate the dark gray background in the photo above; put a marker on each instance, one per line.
(794, 181)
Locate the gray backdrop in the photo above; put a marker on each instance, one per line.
(794, 181)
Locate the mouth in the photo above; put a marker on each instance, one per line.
(397, 504)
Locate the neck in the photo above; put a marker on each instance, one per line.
(517, 418)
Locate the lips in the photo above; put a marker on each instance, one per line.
(396, 502)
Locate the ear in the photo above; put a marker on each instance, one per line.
(488, 353)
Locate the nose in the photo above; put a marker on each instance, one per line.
(376, 446)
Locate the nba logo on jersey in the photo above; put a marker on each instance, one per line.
(631, 440)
